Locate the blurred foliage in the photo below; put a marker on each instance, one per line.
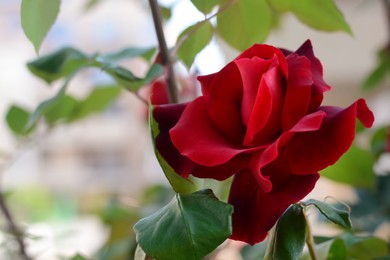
(355, 167)
(380, 71)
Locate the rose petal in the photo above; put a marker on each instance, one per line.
(298, 92)
(266, 117)
(261, 159)
(306, 50)
(256, 212)
(223, 171)
(206, 82)
(224, 110)
(314, 151)
(196, 138)
(251, 71)
(166, 117)
(265, 51)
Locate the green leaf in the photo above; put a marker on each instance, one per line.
(379, 73)
(365, 247)
(189, 227)
(192, 40)
(78, 257)
(97, 100)
(379, 141)
(127, 79)
(244, 23)
(205, 6)
(90, 4)
(355, 168)
(67, 61)
(338, 216)
(333, 249)
(287, 239)
(17, 118)
(179, 184)
(37, 18)
(59, 64)
(321, 15)
(126, 53)
(63, 109)
(45, 106)
(166, 12)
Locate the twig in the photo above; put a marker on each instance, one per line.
(309, 238)
(13, 229)
(164, 52)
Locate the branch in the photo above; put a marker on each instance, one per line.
(12, 228)
(164, 52)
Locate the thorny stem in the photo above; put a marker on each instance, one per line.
(13, 229)
(309, 238)
(164, 52)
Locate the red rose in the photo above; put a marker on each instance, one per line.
(260, 119)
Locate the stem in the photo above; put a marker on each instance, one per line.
(387, 9)
(13, 229)
(309, 238)
(164, 52)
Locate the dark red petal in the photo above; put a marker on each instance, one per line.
(266, 117)
(251, 71)
(298, 91)
(159, 93)
(223, 171)
(256, 212)
(262, 159)
(307, 50)
(314, 151)
(206, 82)
(196, 138)
(166, 117)
(265, 51)
(224, 109)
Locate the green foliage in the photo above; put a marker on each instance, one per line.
(17, 118)
(67, 61)
(205, 6)
(192, 40)
(287, 239)
(373, 206)
(59, 64)
(368, 247)
(355, 168)
(321, 15)
(37, 18)
(178, 183)
(166, 12)
(127, 53)
(332, 249)
(339, 216)
(189, 227)
(244, 23)
(378, 74)
(379, 141)
(46, 106)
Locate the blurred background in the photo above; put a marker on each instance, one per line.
(78, 188)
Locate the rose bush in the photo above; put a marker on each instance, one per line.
(260, 119)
